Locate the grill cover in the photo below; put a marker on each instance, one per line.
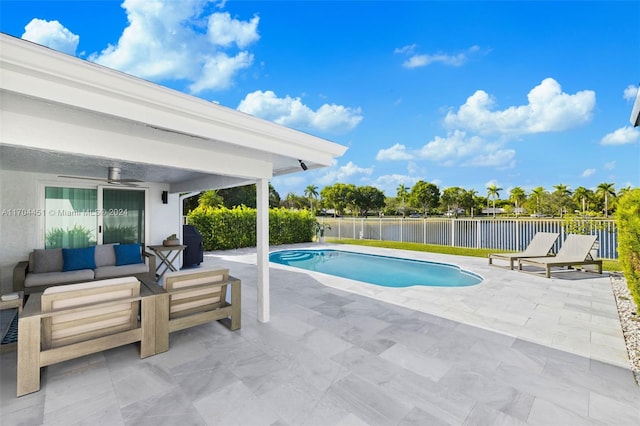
(194, 253)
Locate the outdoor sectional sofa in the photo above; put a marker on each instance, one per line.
(51, 267)
(70, 321)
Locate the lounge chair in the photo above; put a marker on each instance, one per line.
(576, 250)
(541, 245)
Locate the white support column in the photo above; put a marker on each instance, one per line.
(262, 231)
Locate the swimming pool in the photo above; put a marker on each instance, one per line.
(380, 270)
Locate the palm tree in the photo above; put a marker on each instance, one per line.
(311, 192)
(471, 194)
(581, 193)
(402, 193)
(624, 190)
(606, 189)
(210, 198)
(517, 195)
(563, 192)
(537, 192)
(494, 192)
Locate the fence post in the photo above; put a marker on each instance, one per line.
(424, 231)
(453, 232)
(401, 228)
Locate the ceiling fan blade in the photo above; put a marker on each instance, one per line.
(112, 179)
(124, 182)
(82, 177)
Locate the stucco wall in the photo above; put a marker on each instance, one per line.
(20, 226)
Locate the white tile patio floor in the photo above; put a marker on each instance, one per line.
(516, 349)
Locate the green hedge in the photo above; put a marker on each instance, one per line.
(224, 228)
(628, 221)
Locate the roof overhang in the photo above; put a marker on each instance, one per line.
(65, 115)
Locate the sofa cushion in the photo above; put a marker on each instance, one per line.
(49, 260)
(119, 271)
(79, 258)
(55, 278)
(128, 254)
(105, 255)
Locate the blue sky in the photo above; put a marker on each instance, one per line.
(455, 93)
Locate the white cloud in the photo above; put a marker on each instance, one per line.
(389, 183)
(342, 174)
(224, 31)
(610, 165)
(588, 173)
(51, 34)
(501, 158)
(492, 182)
(396, 152)
(549, 110)
(622, 136)
(292, 112)
(457, 148)
(405, 49)
(630, 92)
(161, 42)
(218, 71)
(415, 169)
(422, 60)
(455, 145)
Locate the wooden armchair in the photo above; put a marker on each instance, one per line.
(70, 321)
(200, 296)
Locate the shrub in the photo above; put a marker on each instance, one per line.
(224, 228)
(583, 224)
(76, 237)
(119, 234)
(628, 220)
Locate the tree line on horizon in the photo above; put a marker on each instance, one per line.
(425, 199)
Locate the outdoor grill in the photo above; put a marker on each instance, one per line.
(194, 253)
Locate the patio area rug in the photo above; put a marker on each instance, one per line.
(9, 326)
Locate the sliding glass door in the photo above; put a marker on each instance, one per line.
(81, 217)
(70, 219)
(123, 216)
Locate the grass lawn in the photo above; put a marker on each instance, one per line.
(607, 265)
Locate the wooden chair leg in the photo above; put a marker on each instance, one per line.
(236, 311)
(28, 376)
(162, 322)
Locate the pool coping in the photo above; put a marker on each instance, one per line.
(573, 311)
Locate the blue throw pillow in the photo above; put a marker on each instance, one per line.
(79, 258)
(127, 254)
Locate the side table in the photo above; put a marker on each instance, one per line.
(5, 305)
(167, 255)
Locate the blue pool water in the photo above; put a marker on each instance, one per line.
(380, 270)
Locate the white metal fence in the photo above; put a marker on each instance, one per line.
(504, 234)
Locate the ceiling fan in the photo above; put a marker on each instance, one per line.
(113, 178)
